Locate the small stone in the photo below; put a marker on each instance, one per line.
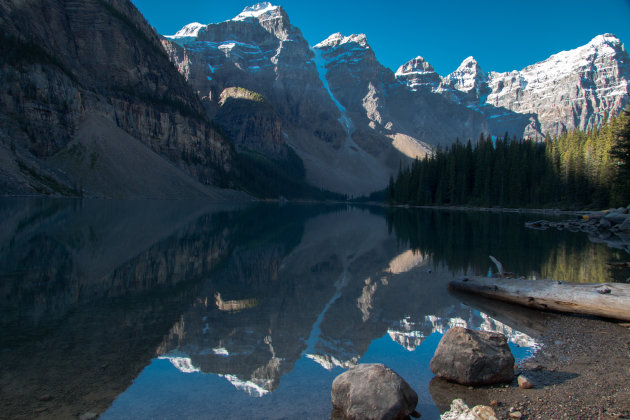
(524, 382)
(483, 412)
(45, 397)
(88, 416)
(494, 403)
(604, 290)
(531, 366)
(516, 415)
(40, 409)
(459, 410)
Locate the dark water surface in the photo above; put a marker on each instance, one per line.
(170, 310)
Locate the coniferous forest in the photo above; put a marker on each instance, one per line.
(575, 170)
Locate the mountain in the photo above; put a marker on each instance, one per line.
(344, 114)
(91, 105)
(352, 121)
(573, 89)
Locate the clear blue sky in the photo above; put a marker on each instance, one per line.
(503, 35)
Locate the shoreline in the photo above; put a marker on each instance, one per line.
(581, 371)
(497, 209)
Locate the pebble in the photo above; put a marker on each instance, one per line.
(88, 416)
(45, 397)
(524, 382)
(516, 415)
(483, 412)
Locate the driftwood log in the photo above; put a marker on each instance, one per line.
(609, 300)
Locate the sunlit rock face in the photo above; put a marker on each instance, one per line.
(569, 90)
(345, 114)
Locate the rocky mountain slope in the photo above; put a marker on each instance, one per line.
(352, 120)
(571, 89)
(332, 102)
(90, 104)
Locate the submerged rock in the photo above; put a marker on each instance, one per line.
(373, 391)
(471, 357)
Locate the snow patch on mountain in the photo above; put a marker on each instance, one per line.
(249, 387)
(256, 11)
(329, 362)
(320, 64)
(338, 39)
(190, 30)
(183, 364)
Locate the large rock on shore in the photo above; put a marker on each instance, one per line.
(372, 391)
(471, 357)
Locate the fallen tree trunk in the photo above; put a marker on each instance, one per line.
(525, 320)
(609, 300)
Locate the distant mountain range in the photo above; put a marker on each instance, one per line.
(352, 120)
(90, 104)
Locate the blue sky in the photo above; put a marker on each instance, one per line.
(503, 35)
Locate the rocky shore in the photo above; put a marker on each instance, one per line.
(581, 372)
(611, 227)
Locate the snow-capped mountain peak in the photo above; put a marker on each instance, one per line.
(468, 75)
(419, 74)
(606, 40)
(416, 66)
(338, 39)
(191, 30)
(256, 11)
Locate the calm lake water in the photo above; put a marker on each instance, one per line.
(168, 310)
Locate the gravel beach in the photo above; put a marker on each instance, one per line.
(582, 371)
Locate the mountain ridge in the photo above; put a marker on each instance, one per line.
(343, 129)
(353, 121)
(569, 77)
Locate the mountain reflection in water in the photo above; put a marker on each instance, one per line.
(193, 310)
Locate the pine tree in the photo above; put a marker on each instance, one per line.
(621, 155)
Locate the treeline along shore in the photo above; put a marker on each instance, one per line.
(578, 169)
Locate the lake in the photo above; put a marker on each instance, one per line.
(168, 310)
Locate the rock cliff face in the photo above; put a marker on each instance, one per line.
(345, 114)
(571, 89)
(379, 102)
(64, 64)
